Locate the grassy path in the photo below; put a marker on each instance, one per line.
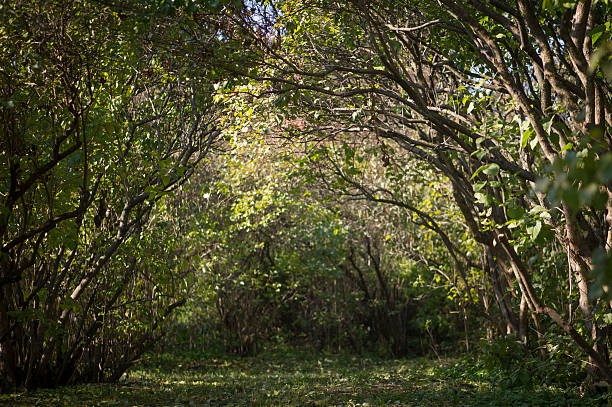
(286, 377)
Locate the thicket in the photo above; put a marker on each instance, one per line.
(392, 176)
(104, 116)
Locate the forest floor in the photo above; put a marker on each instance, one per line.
(287, 377)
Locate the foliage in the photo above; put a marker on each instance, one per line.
(100, 123)
(487, 96)
(399, 177)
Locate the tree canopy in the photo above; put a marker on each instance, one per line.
(380, 175)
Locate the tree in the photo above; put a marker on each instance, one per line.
(504, 99)
(103, 117)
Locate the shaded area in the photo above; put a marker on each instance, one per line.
(298, 378)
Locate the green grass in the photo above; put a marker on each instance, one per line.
(286, 377)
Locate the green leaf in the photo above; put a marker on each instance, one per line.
(534, 231)
(537, 209)
(480, 153)
(525, 137)
(597, 32)
(479, 186)
(515, 212)
(533, 143)
(483, 198)
(491, 169)
(513, 224)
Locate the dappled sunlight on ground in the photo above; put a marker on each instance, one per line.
(287, 377)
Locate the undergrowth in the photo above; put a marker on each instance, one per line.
(283, 376)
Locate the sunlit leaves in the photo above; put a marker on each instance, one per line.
(488, 169)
